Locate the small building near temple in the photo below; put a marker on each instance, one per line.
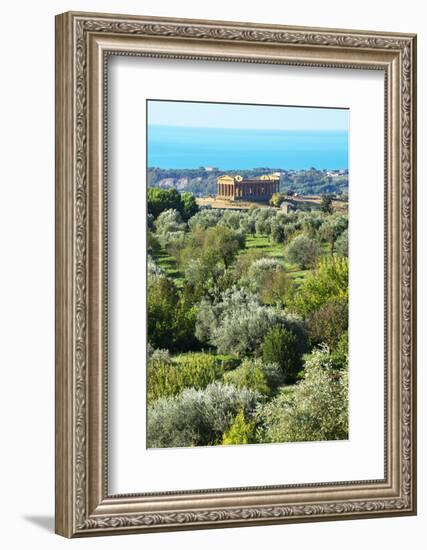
(236, 188)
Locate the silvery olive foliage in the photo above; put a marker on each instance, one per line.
(160, 356)
(153, 270)
(341, 244)
(315, 409)
(169, 222)
(258, 271)
(237, 323)
(205, 218)
(303, 251)
(197, 417)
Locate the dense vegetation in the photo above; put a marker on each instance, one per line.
(247, 324)
(201, 182)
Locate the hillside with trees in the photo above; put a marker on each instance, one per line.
(247, 324)
(201, 182)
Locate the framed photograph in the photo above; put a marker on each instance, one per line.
(235, 274)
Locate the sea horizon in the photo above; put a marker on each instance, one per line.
(190, 147)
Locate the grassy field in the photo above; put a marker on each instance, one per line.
(168, 264)
(263, 243)
(253, 242)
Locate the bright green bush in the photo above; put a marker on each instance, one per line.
(197, 417)
(256, 375)
(242, 431)
(329, 281)
(171, 316)
(169, 377)
(249, 375)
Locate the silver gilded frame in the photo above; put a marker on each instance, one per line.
(83, 44)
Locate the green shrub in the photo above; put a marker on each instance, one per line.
(242, 431)
(249, 375)
(159, 200)
(259, 272)
(339, 355)
(303, 251)
(276, 288)
(280, 346)
(315, 409)
(171, 316)
(329, 281)
(256, 375)
(341, 244)
(196, 417)
(170, 377)
(332, 228)
(169, 221)
(237, 323)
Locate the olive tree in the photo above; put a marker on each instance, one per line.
(303, 251)
(316, 409)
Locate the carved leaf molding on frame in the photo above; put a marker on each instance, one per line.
(212, 31)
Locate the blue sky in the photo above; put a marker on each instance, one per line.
(260, 117)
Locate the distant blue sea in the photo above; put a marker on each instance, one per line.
(227, 149)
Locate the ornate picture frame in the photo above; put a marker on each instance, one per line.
(84, 42)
